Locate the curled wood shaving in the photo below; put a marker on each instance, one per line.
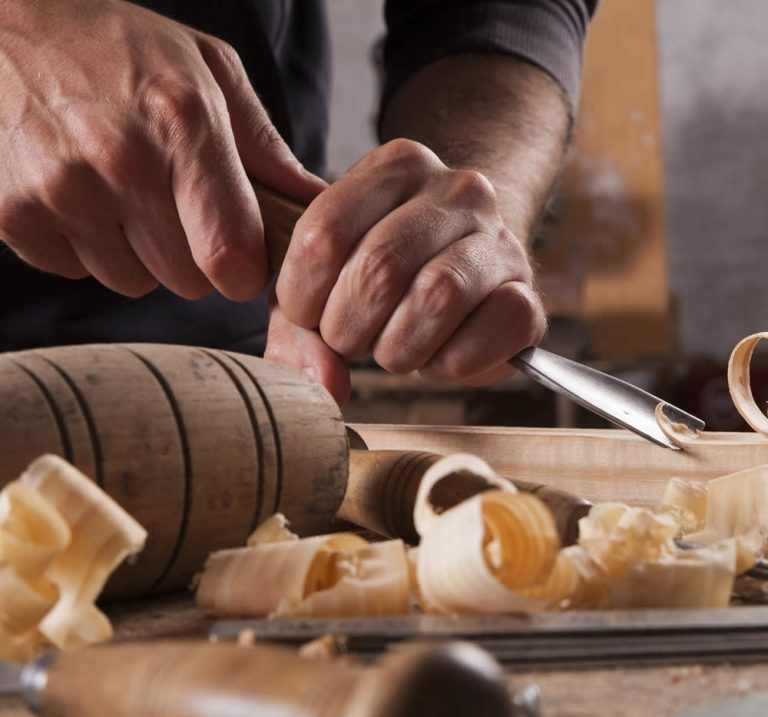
(686, 502)
(626, 558)
(739, 383)
(737, 507)
(480, 555)
(272, 530)
(677, 433)
(324, 576)
(450, 481)
(60, 539)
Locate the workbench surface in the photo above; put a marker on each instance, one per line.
(624, 692)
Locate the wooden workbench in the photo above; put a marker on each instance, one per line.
(624, 692)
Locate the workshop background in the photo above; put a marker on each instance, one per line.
(653, 259)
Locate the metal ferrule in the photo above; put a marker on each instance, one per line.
(34, 678)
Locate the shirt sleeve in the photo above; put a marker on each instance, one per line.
(548, 33)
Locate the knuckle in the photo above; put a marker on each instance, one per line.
(57, 189)
(380, 272)
(320, 245)
(441, 289)
(176, 106)
(405, 153)
(470, 186)
(266, 135)
(224, 52)
(392, 359)
(525, 310)
(218, 261)
(235, 269)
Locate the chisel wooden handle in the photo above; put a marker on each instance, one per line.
(188, 679)
(382, 487)
(197, 445)
(279, 215)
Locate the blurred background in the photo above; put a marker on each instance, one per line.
(654, 259)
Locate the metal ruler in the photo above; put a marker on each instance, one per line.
(552, 640)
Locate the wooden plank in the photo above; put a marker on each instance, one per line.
(606, 258)
(597, 464)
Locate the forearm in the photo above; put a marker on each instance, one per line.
(494, 113)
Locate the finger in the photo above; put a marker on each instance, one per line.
(337, 220)
(108, 257)
(126, 177)
(156, 235)
(215, 201)
(27, 231)
(304, 350)
(443, 294)
(509, 320)
(83, 212)
(264, 153)
(380, 269)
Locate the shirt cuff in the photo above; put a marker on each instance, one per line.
(547, 33)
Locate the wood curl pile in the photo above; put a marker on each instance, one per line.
(498, 551)
(495, 552)
(61, 537)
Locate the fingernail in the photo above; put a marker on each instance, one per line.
(311, 371)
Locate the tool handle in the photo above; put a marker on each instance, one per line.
(279, 215)
(383, 484)
(198, 445)
(197, 679)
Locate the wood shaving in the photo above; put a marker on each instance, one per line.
(338, 574)
(61, 537)
(739, 383)
(677, 433)
(686, 502)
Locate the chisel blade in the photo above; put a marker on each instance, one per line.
(615, 400)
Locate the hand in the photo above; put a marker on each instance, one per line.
(408, 261)
(127, 143)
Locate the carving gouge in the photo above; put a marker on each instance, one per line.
(199, 679)
(617, 401)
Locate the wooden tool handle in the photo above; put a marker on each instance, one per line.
(279, 215)
(382, 487)
(198, 445)
(188, 679)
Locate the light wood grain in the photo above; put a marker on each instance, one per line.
(195, 679)
(197, 445)
(596, 464)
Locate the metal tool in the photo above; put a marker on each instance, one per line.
(549, 640)
(613, 399)
(25, 681)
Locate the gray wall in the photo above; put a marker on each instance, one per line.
(355, 27)
(714, 61)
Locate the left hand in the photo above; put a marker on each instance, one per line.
(409, 261)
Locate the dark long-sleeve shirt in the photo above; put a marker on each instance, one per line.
(285, 49)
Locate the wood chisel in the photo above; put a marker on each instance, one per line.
(617, 401)
(199, 679)
(547, 640)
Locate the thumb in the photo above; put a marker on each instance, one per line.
(264, 153)
(305, 350)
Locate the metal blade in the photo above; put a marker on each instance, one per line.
(10, 679)
(613, 399)
(547, 640)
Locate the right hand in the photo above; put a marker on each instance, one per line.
(127, 145)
